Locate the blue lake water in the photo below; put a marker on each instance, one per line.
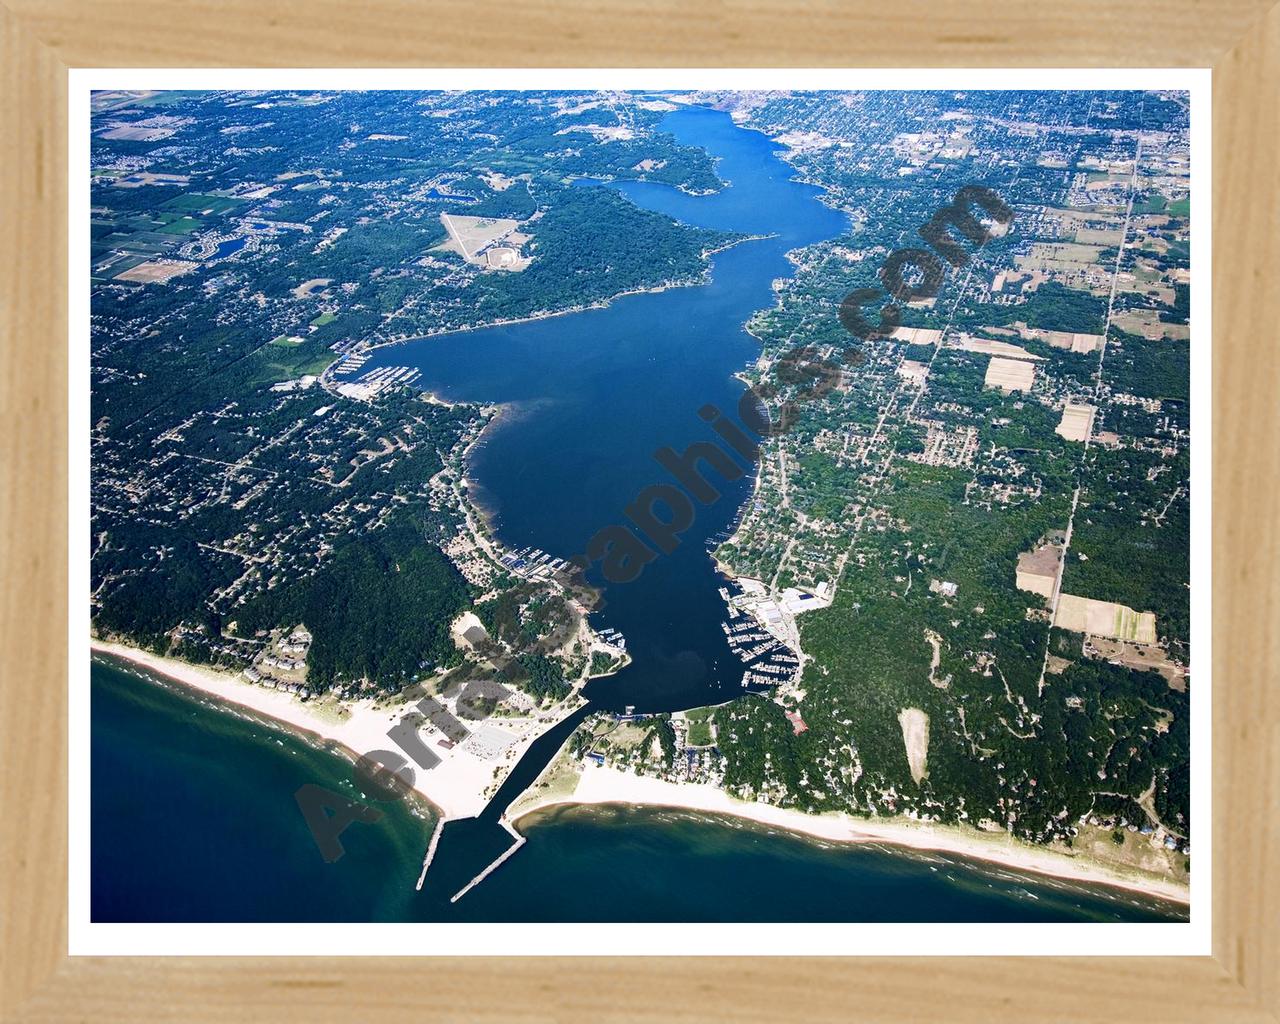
(194, 817)
(194, 820)
(594, 395)
(231, 245)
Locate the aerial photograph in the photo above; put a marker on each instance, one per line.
(674, 506)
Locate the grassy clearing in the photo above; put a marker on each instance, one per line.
(181, 226)
(1099, 236)
(194, 202)
(700, 734)
(915, 738)
(286, 361)
(557, 781)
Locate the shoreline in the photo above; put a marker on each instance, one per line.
(459, 786)
(494, 414)
(483, 531)
(175, 681)
(703, 277)
(449, 798)
(599, 785)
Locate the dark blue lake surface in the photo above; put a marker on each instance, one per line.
(231, 245)
(594, 395)
(453, 197)
(194, 815)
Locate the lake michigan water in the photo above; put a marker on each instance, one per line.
(193, 819)
(193, 810)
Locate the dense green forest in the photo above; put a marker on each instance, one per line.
(585, 248)
(1053, 307)
(1149, 369)
(379, 608)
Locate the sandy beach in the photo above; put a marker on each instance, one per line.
(458, 787)
(602, 784)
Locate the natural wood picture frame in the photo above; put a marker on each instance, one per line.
(42, 39)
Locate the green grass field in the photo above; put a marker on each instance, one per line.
(1180, 208)
(120, 265)
(181, 226)
(194, 201)
(166, 98)
(324, 318)
(277, 362)
(699, 727)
